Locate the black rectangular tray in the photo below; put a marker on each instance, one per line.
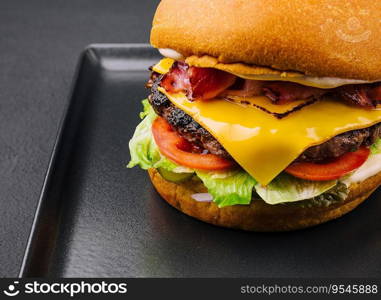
(96, 218)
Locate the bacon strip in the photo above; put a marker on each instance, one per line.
(197, 83)
(375, 92)
(365, 95)
(285, 92)
(247, 88)
(177, 80)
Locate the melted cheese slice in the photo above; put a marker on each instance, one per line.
(263, 145)
(163, 65)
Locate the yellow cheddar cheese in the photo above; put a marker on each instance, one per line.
(163, 65)
(263, 145)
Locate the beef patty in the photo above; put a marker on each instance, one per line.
(197, 135)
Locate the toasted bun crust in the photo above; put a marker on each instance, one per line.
(258, 216)
(331, 38)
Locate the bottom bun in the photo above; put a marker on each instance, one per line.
(258, 216)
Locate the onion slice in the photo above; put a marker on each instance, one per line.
(203, 197)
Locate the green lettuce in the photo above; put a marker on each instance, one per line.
(286, 188)
(229, 188)
(376, 147)
(143, 149)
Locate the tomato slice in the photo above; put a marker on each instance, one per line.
(178, 149)
(331, 170)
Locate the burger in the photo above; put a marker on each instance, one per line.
(263, 115)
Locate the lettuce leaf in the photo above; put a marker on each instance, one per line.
(228, 188)
(143, 149)
(376, 147)
(286, 188)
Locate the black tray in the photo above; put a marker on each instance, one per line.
(96, 218)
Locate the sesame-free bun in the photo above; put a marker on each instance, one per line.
(258, 216)
(324, 38)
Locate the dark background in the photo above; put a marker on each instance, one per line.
(40, 42)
